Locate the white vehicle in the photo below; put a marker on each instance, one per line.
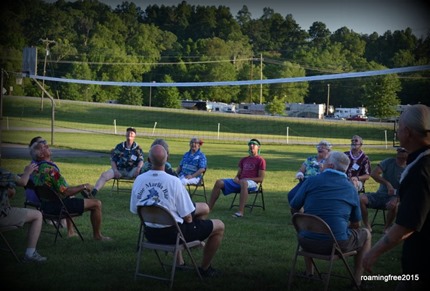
(343, 113)
(222, 107)
(306, 110)
(252, 108)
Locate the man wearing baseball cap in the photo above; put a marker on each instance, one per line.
(251, 171)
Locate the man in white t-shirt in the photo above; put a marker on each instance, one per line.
(156, 187)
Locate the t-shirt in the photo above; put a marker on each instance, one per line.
(358, 166)
(414, 213)
(390, 172)
(250, 166)
(159, 188)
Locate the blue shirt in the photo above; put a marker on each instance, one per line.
(191, 163)
(331, 197)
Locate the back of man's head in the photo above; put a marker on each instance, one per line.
(339, 160)
(417, 118)
(158, 156)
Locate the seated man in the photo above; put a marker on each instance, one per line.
(193, 164)
(168, 167)
(49, 174)
(14, 216)
(359, 164)
(332, 197)
(126, 161)
(387, 173)
(156, 187)
(251, 172)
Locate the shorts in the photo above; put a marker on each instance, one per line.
(73, 205)
(196, 230)
(230, 186)
(15, 216)
(378, 200)
(127, 174)
(357, 238)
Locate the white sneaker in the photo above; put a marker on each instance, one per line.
(36, 257)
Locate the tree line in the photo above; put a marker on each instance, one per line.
(187, 43)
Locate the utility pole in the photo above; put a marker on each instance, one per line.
(47, 43)
(328, 99)
(261, 78)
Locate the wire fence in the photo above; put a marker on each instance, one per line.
(24, 113)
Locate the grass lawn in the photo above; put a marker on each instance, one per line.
(256, 251)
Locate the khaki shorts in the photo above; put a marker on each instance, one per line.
(16, 216)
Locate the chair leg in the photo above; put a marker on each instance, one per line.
(10, 247)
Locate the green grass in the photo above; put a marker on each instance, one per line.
(256, 251)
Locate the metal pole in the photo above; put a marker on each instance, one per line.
(328, 99)
(261, 78)
(47, 43)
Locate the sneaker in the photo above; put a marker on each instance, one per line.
(94, 192)
(36, 257)
(209, 272)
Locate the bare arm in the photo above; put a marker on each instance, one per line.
(395, 236)
(23, 180)
(377, 176)
(70, 191)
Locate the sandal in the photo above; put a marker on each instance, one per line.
(237, 215)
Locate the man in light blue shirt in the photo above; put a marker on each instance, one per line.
(193, 163)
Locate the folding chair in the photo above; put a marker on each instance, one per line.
(193, 192)
(160, 215)
(376, 214)
(9, 248)
(257, 192)
(46, 194)
(116, 182)
(312, 223)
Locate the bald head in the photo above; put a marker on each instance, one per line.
(158, 157)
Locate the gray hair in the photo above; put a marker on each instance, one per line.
(324, 143)
(35, 150)
(161, 142)
(339, 160)
(417, 117)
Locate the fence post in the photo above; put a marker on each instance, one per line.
(386, 141)
(114, 126)
(153, 130)
(288, 130)
(219, 126)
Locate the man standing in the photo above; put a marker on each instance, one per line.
(251, 172)
(412, 225)
(156, 187)
(126, 161)
(359, 166)
(49, 174)
(332, 197)
(193, 163)
(387, 173)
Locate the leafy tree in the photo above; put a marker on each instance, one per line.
(276, 106)
(167, 96)
(381, 96)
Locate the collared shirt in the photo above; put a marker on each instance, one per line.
(49, 174)
(7, 181)
(192, 162)
(127, 158)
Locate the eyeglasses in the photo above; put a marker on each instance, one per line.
(42, 141)
(356, 140)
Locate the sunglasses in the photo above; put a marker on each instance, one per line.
(356, 140)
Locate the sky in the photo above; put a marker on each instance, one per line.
(362, 16)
